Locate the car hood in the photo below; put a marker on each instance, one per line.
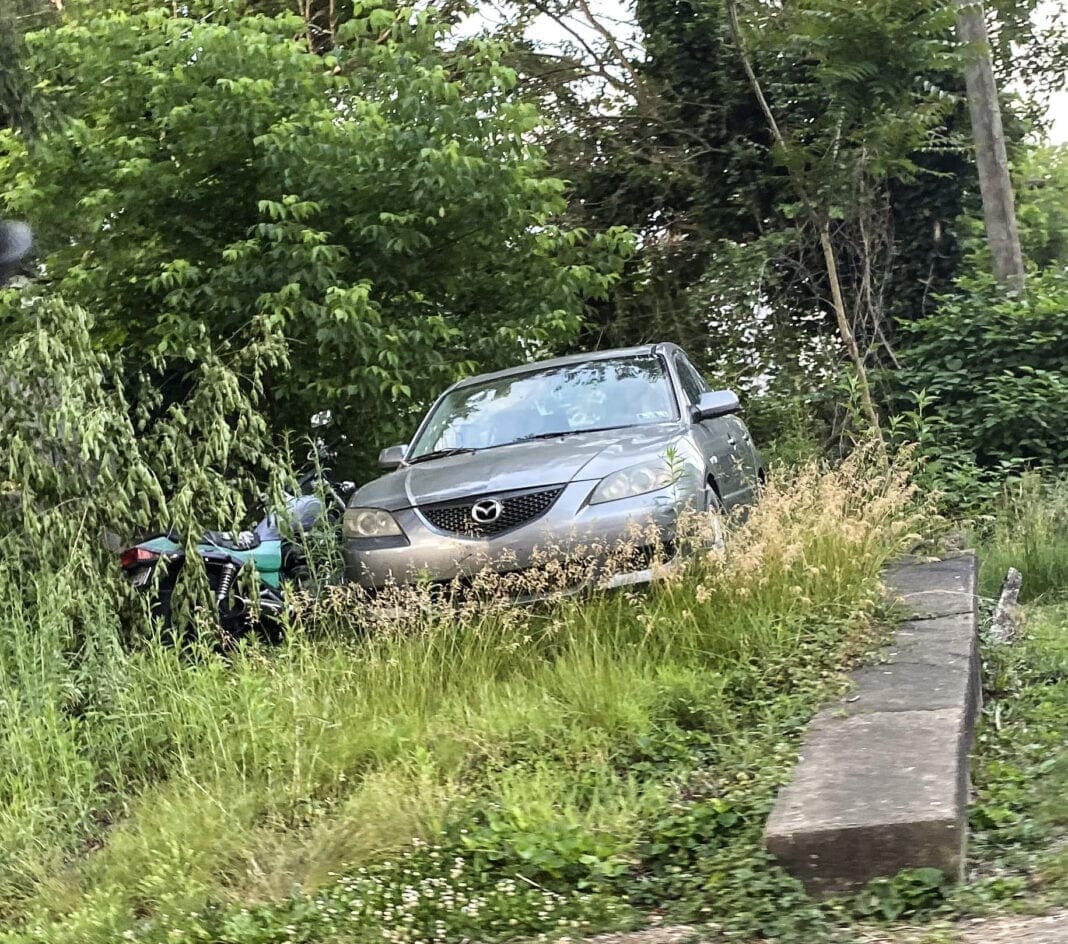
(578, 457)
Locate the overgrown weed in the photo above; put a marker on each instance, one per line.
(1029, 531)
(547, 744)
(1020, 773)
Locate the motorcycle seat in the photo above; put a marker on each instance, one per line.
(240, 541)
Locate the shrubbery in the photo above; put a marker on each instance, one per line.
(990, 370)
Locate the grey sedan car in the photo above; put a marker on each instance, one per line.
(579, 452)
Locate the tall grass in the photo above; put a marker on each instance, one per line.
(1029, 532)
(146, 783)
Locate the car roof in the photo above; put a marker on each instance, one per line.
(660, 347)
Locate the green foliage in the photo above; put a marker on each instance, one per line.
(989, 371)
(945, 467)
(912, 893)
(17, 99)
(224, 10)
(80, 460)
(876, 92)
(1020, 772)
(573, 757)
(1042, 206)
(1029, 531)
(379, 207)
(871, 113)
(1040, 176)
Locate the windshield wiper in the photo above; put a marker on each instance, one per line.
(570, 432)
(460, 450)
(441, 454)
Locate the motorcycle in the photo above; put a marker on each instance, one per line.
(275, 548)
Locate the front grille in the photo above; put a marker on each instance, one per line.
(517, 508)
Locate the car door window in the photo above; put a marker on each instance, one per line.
(693, 385)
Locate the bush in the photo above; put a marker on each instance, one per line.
(990, 370)
(380, 212)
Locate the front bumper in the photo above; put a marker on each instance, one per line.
(571, 530)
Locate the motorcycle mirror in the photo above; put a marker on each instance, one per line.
(16, 240)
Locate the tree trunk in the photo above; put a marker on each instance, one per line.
(991, 158)
(846, 330)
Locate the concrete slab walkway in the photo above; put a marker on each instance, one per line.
(882, 780)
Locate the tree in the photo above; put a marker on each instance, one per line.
(991, 154)
(678, 149)
(16, 96)
(873, 120)
(378, 207)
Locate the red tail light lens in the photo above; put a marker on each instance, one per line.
(137, 557)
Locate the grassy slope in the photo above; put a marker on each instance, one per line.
(570, 766)
(1018, 851)
(1019, 816)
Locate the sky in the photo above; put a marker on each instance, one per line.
(617, 12)
(1058, 113)
(1046, 12)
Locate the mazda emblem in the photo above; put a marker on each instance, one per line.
(486, 511)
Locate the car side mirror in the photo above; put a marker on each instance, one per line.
(716, 403)
(392, 457)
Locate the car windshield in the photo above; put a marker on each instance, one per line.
(599, 394)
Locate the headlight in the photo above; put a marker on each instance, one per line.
(626, 483)
(369, 523)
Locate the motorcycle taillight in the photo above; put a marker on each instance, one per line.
(137, 557)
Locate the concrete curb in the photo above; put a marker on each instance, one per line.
(882, 781)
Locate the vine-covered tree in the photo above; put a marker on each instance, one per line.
(677, 147)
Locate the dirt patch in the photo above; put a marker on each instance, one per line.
(669, 934)
(1015, 929)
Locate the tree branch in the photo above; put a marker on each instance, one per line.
(821, 217)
